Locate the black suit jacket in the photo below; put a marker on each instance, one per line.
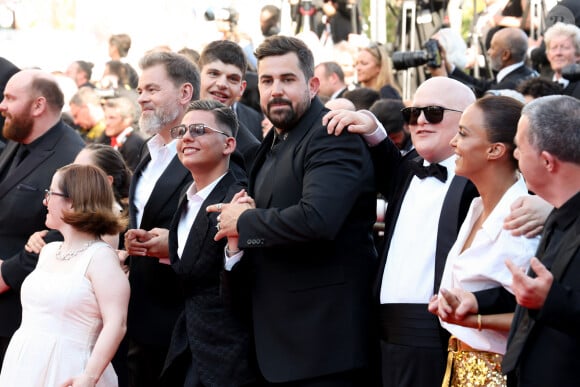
(22, 211)
(573, 89)
(207, 330)
(480, 86)
(156, 298)
(309, 244)
(543, 345)
(250, 118)
(132, 148)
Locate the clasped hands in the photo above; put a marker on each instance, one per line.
(153, 243)
(455, 306)
(229, 214)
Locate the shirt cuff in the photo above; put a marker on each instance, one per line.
(376, 137)
(230, 262)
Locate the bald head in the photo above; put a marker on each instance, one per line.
(508, 46)
(431, 139)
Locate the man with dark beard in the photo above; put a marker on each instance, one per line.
(39, 143)
(306, 235)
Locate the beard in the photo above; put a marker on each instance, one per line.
(17, 128)
(152, 124)
(285, 118)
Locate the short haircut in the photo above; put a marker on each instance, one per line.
(224, 115)
(388, 112)
(122, 42)
(333, 68)
(88, 188)
(126, 107)
(539, 87)
(179, 68)
(48, 88)
(85, 67)
(225, 51)
(362, 97)
(553, 126)
(279, 45)
(85, 96)
(500, 120)
(562, 29)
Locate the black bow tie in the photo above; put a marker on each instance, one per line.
(432, 170)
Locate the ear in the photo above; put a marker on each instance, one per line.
(549, 161)
(230, 146)
(243, 86)
(496, 151)
(186, 92)
(110, 179)
(313, 85)
(38, 107)
(506, 55)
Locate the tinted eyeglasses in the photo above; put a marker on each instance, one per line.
(433, 114)
(195, 130)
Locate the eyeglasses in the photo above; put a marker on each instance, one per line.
(195, 130)
(48, 193)
(433, 114)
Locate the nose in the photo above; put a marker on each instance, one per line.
(277, 88)
(421, 120)
(453, 142)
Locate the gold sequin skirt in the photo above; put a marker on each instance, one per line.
(469, 367)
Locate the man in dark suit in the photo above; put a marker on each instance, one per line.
(544, 339)
(331, 77)
(39, 143)
(308, 241)
(120, 114)
(210, 344)
(507, 55)
(7, 70)
(222, 66)
(168, 83)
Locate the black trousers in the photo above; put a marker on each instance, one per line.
(145, 363)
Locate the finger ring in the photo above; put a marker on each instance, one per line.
(219, 218)
(219, 206)
(217, 226)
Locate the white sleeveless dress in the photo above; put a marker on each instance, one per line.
(60, 324)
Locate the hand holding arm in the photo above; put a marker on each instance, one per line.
(36, 242)
(360, 122)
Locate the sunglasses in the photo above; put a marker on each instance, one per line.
(433, 114)
(195, 130)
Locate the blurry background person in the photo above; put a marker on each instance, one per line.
(375, 70)
(341, 18)
(88, 115)
(539, 87)
(81, 72)
(269, 20)
(388, 112)
(119, 45)
(563, 49)
(331, 79)
(7, 70)
(484, 147)
(75, 300)
(120, 116)
(362, 97)
(39, 142)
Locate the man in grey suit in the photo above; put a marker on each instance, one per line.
(39, 143)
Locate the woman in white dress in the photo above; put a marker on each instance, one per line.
(479, 327)
(75, 301)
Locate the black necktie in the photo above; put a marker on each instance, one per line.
(432, 170)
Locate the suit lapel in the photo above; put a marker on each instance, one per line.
(145, 159)
(572, 242)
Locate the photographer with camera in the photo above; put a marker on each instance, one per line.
(507, 55)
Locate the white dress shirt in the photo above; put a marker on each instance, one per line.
(410, 269)
(161, 156)
(482, 265)
(195, 199)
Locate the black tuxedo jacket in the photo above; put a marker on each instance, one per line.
(309, 244)
(544, 344)
(22, 211)
(132, 148)
(155, 299)
(573, 89)
(480, 86)
(250, 118)
(207, 329)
